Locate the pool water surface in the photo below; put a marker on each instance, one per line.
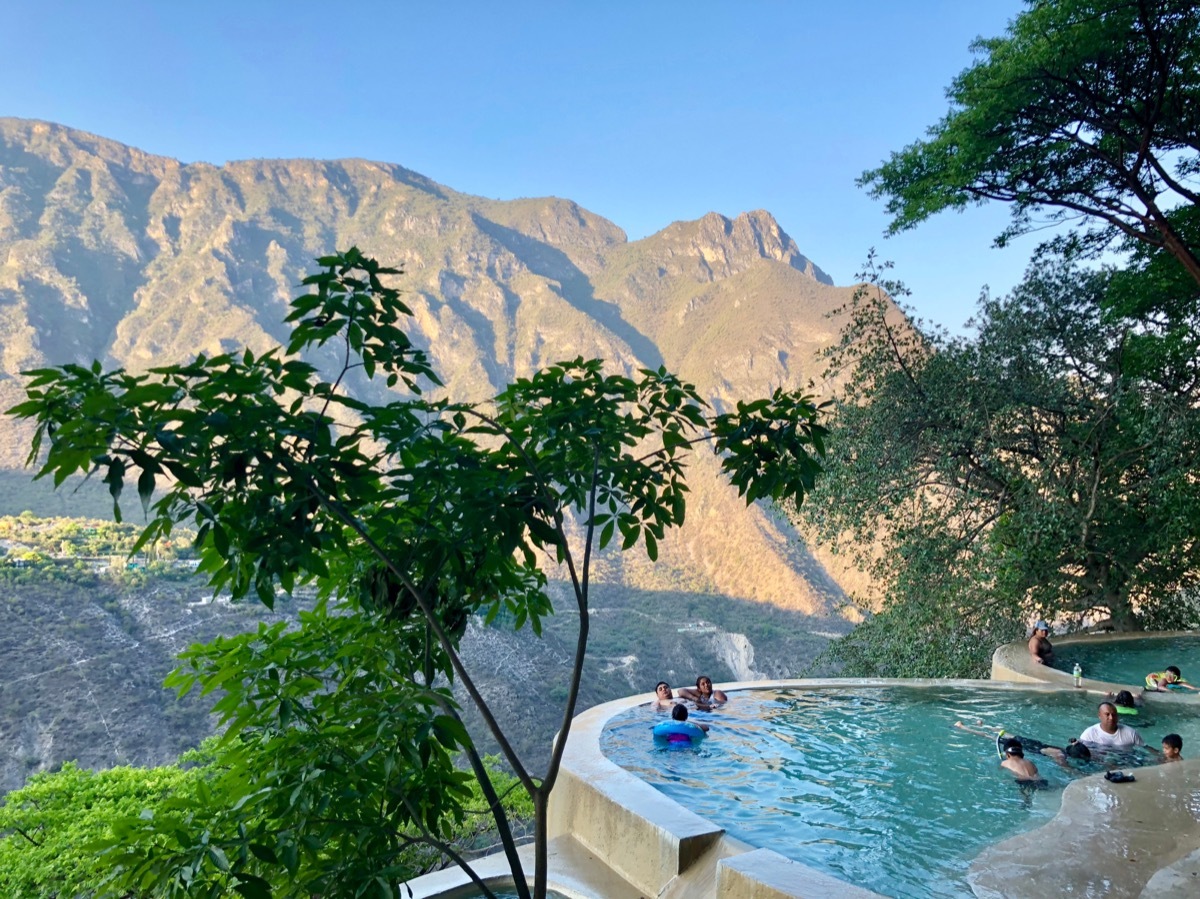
(872, 785)
(1129, 660)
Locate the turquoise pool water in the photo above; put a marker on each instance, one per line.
(1128, 661)
(872, 785)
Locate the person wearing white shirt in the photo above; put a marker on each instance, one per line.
(1110, 733)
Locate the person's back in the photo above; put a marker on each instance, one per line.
(1017, 764)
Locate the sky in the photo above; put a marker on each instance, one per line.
(643, 112)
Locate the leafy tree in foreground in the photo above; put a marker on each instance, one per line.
(1020, 472)
(1085, 109)
(409, 517)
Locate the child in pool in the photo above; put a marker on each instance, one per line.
(1161, 681)
(1172, 748)
(1022, 769)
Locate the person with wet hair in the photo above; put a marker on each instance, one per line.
(703, 693)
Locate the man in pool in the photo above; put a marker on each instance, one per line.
(1109, 732)
(1163, 681)
(1040, 648)
(664, 699)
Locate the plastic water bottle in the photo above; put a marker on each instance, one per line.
(1078, 675)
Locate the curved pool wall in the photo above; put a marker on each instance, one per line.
(613, 836)
(1012, 663)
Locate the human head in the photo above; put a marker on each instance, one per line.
(679, 713)
(1077, 750)
(1041, 626)
(662, 690)
(1013, 748)
(1109, 717)
(704, 684)
(1171, 669)
(1124, 698)
(1172, 746)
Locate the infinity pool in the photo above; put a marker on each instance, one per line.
(872, 785)
(1129, 660)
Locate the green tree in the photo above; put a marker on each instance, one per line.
(1085, 110)
(1023, 471)
(409, 517)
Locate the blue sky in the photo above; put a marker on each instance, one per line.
(644, 112)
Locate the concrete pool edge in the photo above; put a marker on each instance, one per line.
(594, 794)
(613, 836)
(1012, 664)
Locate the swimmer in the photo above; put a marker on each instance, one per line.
(1110, 733)
(703, 693)
(1162, 681)
(1172, 748)
(680, 713)
(1074, 750)
(1014, 761)
(663, 697)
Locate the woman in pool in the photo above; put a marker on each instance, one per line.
(703, 693)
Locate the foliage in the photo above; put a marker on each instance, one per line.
(1021, 472)
(48, 828)
(408, 516)
(1085, 109)
(51, 829)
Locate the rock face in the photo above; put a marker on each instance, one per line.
(111, 253)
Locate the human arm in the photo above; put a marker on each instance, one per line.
(719, 696)
(1034, 646)
(978, 732)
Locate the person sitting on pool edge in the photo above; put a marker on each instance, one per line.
(1040, 648)
(663, 697)
(1014, 761)
(1109, 732)
(1172, 748)
(703, 693)
(680, 713)
(1162, 681)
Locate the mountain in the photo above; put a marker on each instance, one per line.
(107, 252)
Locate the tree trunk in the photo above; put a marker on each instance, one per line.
(541, 802)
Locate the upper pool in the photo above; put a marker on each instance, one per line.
(873, 785)
(1127, 660)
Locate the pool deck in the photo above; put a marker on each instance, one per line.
(613, 836)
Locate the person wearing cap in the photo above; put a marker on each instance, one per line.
(1040, 649)
(1021, 768)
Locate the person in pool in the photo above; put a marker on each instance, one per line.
(1109, 732)
(1021, 768)
(703, 693)
(1172, 748)
(680, 713)
(1125, 701)
(664, 699)
(1162, 681)
(1074, 750)
(1040, 648)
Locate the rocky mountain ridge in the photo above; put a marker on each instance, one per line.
(112, 253)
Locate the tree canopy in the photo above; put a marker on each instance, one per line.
(410, 516)
(1023, 471)
(1084, 110)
